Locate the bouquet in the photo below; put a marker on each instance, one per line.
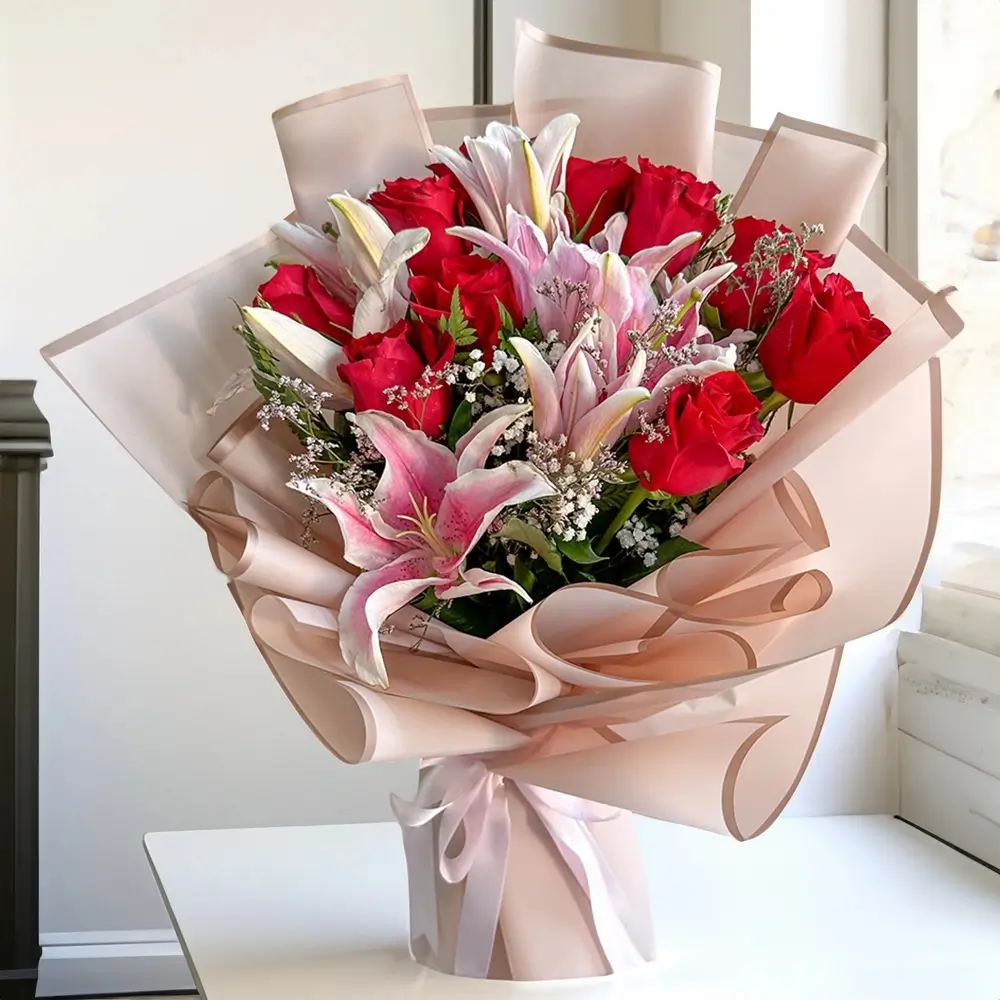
(562, 469)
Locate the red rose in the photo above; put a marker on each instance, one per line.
(482, 284)
(432, 202)
(734, 300)
(820, 337)
(398, 360)
(705, 426)
(295, 290)
(664, 203)
(596, 189)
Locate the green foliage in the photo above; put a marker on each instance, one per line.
(461, 421)
(581, 553)
(266, 374)
(523, 575)
(710, 317)
(507, 327)
(580, 232)
(516, 530)
(531, 330)
(456, 325)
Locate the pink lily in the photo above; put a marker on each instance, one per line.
(563, 284)
(585, 402)
(684, 351)
(429, 510)
(506, 168)
(364, 264)
(322, 252)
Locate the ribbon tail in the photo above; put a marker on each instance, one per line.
(418, 846)
(609, 908)
(480, 917)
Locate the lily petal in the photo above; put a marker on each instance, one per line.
(558, 218)
(472, 502)
(570, 263)
(463, 168)
(417, 469)
(320, 251)
(528, 192)
(525, 237)
(478, 581)
(374, 596)
(364, 235)
(612, 292)
(552, 147)
(654, 259)
(516, 262)
(491, 160)
(580, 395)
(704, 282)
(609, 239)
(714, 360)
(363, 546)
(634, 375)
(587, 337)
(386, 302)
(604, 424)
(303, 352)
(542, 383)
(474, 447)
(375, 309)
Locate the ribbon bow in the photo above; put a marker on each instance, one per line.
(471, 800)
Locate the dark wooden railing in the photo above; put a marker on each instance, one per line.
(482, 52)
(24, 446)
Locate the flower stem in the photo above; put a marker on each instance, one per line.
(773, 402)
(628, 508)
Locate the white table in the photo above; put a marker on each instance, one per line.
(849, 908)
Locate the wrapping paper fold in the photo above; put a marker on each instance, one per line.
(697, 695)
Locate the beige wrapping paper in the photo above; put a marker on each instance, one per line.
(697, 695)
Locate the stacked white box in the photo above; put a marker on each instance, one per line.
(949, 721)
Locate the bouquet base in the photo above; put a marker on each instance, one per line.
(514, 882)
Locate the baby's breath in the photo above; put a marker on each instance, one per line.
(578, 482)
(639, 538)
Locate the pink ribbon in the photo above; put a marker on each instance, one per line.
(472, 800)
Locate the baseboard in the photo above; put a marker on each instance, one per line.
(112, 963)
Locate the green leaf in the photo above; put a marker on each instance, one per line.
(531, 330)
(579, 552)
(756, 381)
(426, 601)
(457, 326)
(710, 316)
(523, 575)
(461, 421)
(516, 530)
(580, 232)
(673, 547)
(507, 327)
(464, 615)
